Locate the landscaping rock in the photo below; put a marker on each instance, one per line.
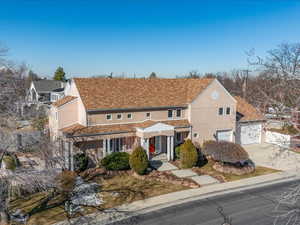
(19, 217)
(86, 194)
(233, 170)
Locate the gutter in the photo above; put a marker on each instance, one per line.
(109, 133)
(134, 109)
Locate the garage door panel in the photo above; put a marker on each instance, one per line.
(250, 134)
(225, 135)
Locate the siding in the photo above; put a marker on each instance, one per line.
(157, 115)
(203, 113)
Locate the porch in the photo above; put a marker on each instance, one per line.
(157, 138)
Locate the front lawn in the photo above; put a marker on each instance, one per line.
(116, 191)
(223, 177)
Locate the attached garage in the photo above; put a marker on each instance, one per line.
(224, 135)
(249, 133)
(249, 123)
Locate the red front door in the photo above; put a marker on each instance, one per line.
(152, 145)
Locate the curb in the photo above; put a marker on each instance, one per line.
(119, 213)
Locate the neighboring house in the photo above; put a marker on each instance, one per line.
(106, 115)
(45, 91)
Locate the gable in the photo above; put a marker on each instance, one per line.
(158, 128)
(214, 94)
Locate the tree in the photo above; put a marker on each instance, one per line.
(60, 74)
(139, 160)
(188, 154)
(152, 75)
(193, 74)
(278, 81)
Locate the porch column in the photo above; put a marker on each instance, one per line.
(172, 147)
(147, 147)
(108, 146)
(168, 148)
(71, 156)
(104, 147)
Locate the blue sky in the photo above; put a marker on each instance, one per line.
(89, 37)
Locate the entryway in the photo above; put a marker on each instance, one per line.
(158, 146)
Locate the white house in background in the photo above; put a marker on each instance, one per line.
(45, 91)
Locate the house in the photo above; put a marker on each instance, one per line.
(45, 91)
(104, 115)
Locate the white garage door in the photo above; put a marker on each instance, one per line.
(224, 135)
(250, 134)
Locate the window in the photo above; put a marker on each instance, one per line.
(170, 113)
(178, 137)
(129, 116)
(220, 111)
(108, 117)
(119, 116)
(195, 135)
(178, 112)
(228, 110)
(148, 115)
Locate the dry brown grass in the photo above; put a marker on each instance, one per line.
(129, 188)
(223, 177)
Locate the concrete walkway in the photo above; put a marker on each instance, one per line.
(202, 180)
(273, 156)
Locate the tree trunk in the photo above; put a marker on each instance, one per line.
(4, 217)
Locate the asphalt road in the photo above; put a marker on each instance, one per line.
(251, 207)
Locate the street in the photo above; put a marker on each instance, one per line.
(252, 207)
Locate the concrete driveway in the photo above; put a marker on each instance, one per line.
(273, 156)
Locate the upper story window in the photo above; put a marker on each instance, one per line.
(178, 112)
(148, 115)
(119, 116)
(129, 116)
(228, 111)
(170, 113)
(221, 111)
(108, 116)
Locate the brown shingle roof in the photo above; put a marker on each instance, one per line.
(63, 101)
(119, 128)
(249, 112)
(120, 93)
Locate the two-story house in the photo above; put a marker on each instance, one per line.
(107, 115)
(45, 91)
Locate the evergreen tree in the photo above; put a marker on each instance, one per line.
(153, 75)
(60, 74)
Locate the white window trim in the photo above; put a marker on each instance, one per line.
(148, 117)
(108, 115)
(120, 117)
(130, 116)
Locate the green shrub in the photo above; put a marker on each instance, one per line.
(177, 152)
(188, 154)
(139, 160)
(10, 162)
(80, 162)
(116, 161)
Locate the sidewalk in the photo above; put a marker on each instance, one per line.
(162, 201)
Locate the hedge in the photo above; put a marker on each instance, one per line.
(139, 160)
(188, 154)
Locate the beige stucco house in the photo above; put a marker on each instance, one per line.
(104, 115)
